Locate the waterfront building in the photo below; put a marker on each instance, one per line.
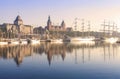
(51, 27)
(38, 30)
(17, 27)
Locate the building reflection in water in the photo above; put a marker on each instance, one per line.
(81, 53)
(16, 52)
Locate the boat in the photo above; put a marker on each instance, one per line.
(110, 35)
(110, 40)
(85, 39)
(13, 42)
(48, 40)
(90, 43)
(23, 41)
(57, 41)
(3, 43)
(33, 41)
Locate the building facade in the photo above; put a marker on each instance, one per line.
(51, 27)
(17, 27)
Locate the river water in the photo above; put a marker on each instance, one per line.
(60, 61)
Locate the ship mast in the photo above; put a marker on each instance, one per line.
(113, 29)
(89, 28)
(76, 26)
(108, 29)
(83, 27)
(104, 28)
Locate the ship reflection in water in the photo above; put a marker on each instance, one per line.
(60, 61)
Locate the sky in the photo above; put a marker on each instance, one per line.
(36, 12)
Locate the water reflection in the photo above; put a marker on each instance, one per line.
(81, 53)
(16, 52)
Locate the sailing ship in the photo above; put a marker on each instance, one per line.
(110, 31)
(83, 38)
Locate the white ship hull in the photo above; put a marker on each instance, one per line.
(35, 41)
(14, 42)
(3, 43)
(91, 43)
(78, 39)
(57, 41)
(111, 40)
(23, 42)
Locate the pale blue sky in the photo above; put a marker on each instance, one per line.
(35, 12)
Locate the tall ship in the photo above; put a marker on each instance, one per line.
(83, 38)
(109, 32)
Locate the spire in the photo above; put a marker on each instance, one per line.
(49, 20)
(18, 21)
(63, 24)
(49, 23)
(18, 18)
(49, 17)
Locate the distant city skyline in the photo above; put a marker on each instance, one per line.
(36, 12)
